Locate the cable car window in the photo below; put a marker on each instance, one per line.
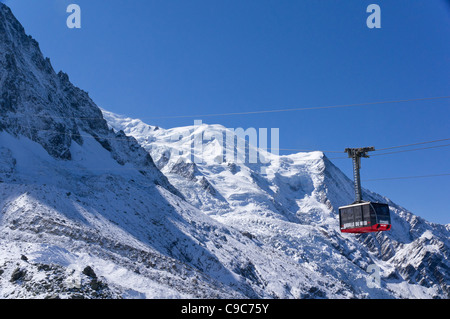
(357, 210)
(347, 214)
(347, 218)
(382, 210)
(366, 212)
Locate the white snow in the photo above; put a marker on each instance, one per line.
(89, 212)
(292, 208)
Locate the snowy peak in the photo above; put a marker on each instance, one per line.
(46, 108)
(292, 204)
(12, 32)
(35, 101)
(290, 185)
(86, 212)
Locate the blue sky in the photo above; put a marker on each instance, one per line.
(150, 59)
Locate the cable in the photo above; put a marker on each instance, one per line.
(301, 109)
(406, 145)
(381, 149)
(389, 153)
(296, 150)
(404, 177)
(254, 112)
(415, 149)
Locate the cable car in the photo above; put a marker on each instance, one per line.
(364, 217)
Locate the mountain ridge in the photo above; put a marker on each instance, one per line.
(75, 195)
(309, 199)
(89, 209)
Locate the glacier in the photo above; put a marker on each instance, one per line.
(97, 205)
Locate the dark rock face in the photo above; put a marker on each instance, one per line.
(56, 282)
(88, 271)
(44, 106)
(18, 274)
(186, 170)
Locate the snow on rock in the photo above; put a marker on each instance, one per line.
(114, 208)
(293, 207)
(85, 212)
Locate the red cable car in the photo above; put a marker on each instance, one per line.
(364, 217)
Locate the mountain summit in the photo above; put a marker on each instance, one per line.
(294, 208)
(94, 205)
(45, 107)
(85, 213)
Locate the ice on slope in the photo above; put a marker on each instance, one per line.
(69, 184)
(74, 194)
(293, 207)
(142, 239)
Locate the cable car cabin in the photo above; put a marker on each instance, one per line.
(364, 217)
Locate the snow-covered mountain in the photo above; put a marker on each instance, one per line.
(290, 203)
(91, 211)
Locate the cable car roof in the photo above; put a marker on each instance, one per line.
(356, 204)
